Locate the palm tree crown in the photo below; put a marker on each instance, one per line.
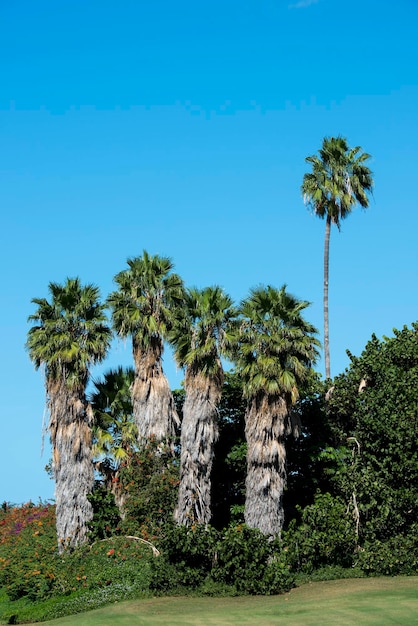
(202, 330)
(146, 291)
(114, 432)
(276, 344)
(70, 332)
(339, 180)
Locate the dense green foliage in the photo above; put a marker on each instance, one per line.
(150, 484)
(375, 407)
(233, 561)
(362, 451)
(106, 515)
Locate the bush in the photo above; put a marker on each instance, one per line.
(329, 572)
(31, 568)
(28, 548)
(106, 518)
(325, 536)
(398, 555)
(250, 562)
(150, 483)
(237, 560)
(117, 560)
(187, 557)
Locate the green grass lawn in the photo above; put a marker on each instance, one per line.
(379, 601)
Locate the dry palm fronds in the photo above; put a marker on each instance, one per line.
(266, 427)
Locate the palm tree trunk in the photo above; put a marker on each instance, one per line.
(326, 281)
(70, 427)
(199, 432)
(154, 410)
(265, 429)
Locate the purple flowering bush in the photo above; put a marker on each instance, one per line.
(27, 549)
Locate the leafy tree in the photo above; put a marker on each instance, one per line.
(69, 334)
(375, 400)
(276, 347)
(200, 336)
(339, 180)
(142, 309)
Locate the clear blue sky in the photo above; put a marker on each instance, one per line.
(182, 128)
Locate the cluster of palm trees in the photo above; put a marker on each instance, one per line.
(266, 337)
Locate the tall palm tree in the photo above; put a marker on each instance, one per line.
(69, 334)
(339, 180)
(115, 434)
(275, 350)
(200, 336)
(142, 309)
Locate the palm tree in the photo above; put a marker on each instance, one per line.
(115, 434)
(275, 350)
(69, 334)
(338, 181)
(142, 310)
(200, 337)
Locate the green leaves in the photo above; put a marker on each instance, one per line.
(338, 180)
(375, 400)
(114, 432)
(147, 292)
(69, 332)
(275, 345)
(202, 329)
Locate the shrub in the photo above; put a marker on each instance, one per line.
(187, 557)
(250, 562)
(28, 548)
(237, 560)
(106, 518)
(104, 563)
(150, 483)
(398, 555)
(325, 536)
(31, 567)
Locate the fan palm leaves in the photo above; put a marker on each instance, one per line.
(275, 349)
(114, 427)
(200, 336)
(115, 434)
(142, 310)
(69, 334)
(339, 179)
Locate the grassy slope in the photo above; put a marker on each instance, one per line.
(378, 601)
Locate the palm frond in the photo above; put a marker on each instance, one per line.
(275, 345)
